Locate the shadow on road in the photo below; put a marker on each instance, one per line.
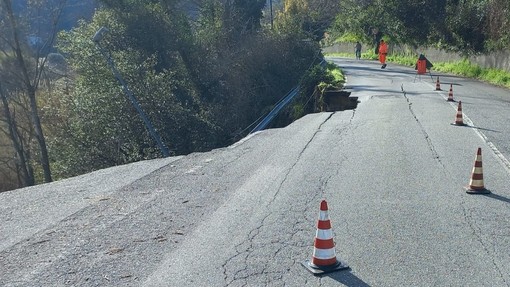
(484, 129)
(498, 197)
(367, 88)
(475, 127)
(348, 279)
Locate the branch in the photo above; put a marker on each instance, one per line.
(49, 42)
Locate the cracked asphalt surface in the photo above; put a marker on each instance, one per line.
(392, 171)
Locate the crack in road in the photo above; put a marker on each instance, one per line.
(246, 249)
(244, 253)
(476, 230)
(431, 146)
(478, 235)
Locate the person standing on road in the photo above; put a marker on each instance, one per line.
(383, 51)
(357, 50)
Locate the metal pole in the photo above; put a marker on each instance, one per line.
(131, 97)
(271, 9)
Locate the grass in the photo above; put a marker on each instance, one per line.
(463, 68)
(336, 72)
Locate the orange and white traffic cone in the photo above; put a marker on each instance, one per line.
(438, 86)
(450, 94)
(458, 118)
(476, 182)
(324, 257)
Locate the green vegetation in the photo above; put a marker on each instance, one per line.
(468, 27)
(468, 69)
(337, 75)
(201, 83)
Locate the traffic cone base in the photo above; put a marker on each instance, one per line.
(319, 270)
(469, 190)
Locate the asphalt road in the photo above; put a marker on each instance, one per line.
(392, 171)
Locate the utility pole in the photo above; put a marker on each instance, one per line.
(97, 39)
(271, 12)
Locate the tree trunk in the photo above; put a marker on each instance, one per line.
(34, 114)
(23, 170)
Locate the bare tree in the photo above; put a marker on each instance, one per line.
(21, 69)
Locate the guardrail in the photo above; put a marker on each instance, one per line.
(270, 116)
(279, 105)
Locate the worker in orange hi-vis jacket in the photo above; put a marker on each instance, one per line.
(383, 50)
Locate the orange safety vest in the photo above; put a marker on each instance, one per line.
(383, 50)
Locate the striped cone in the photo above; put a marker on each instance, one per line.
(458, 118)
(476, 182)
(324, 257)
(438, 86)
(450, 94)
